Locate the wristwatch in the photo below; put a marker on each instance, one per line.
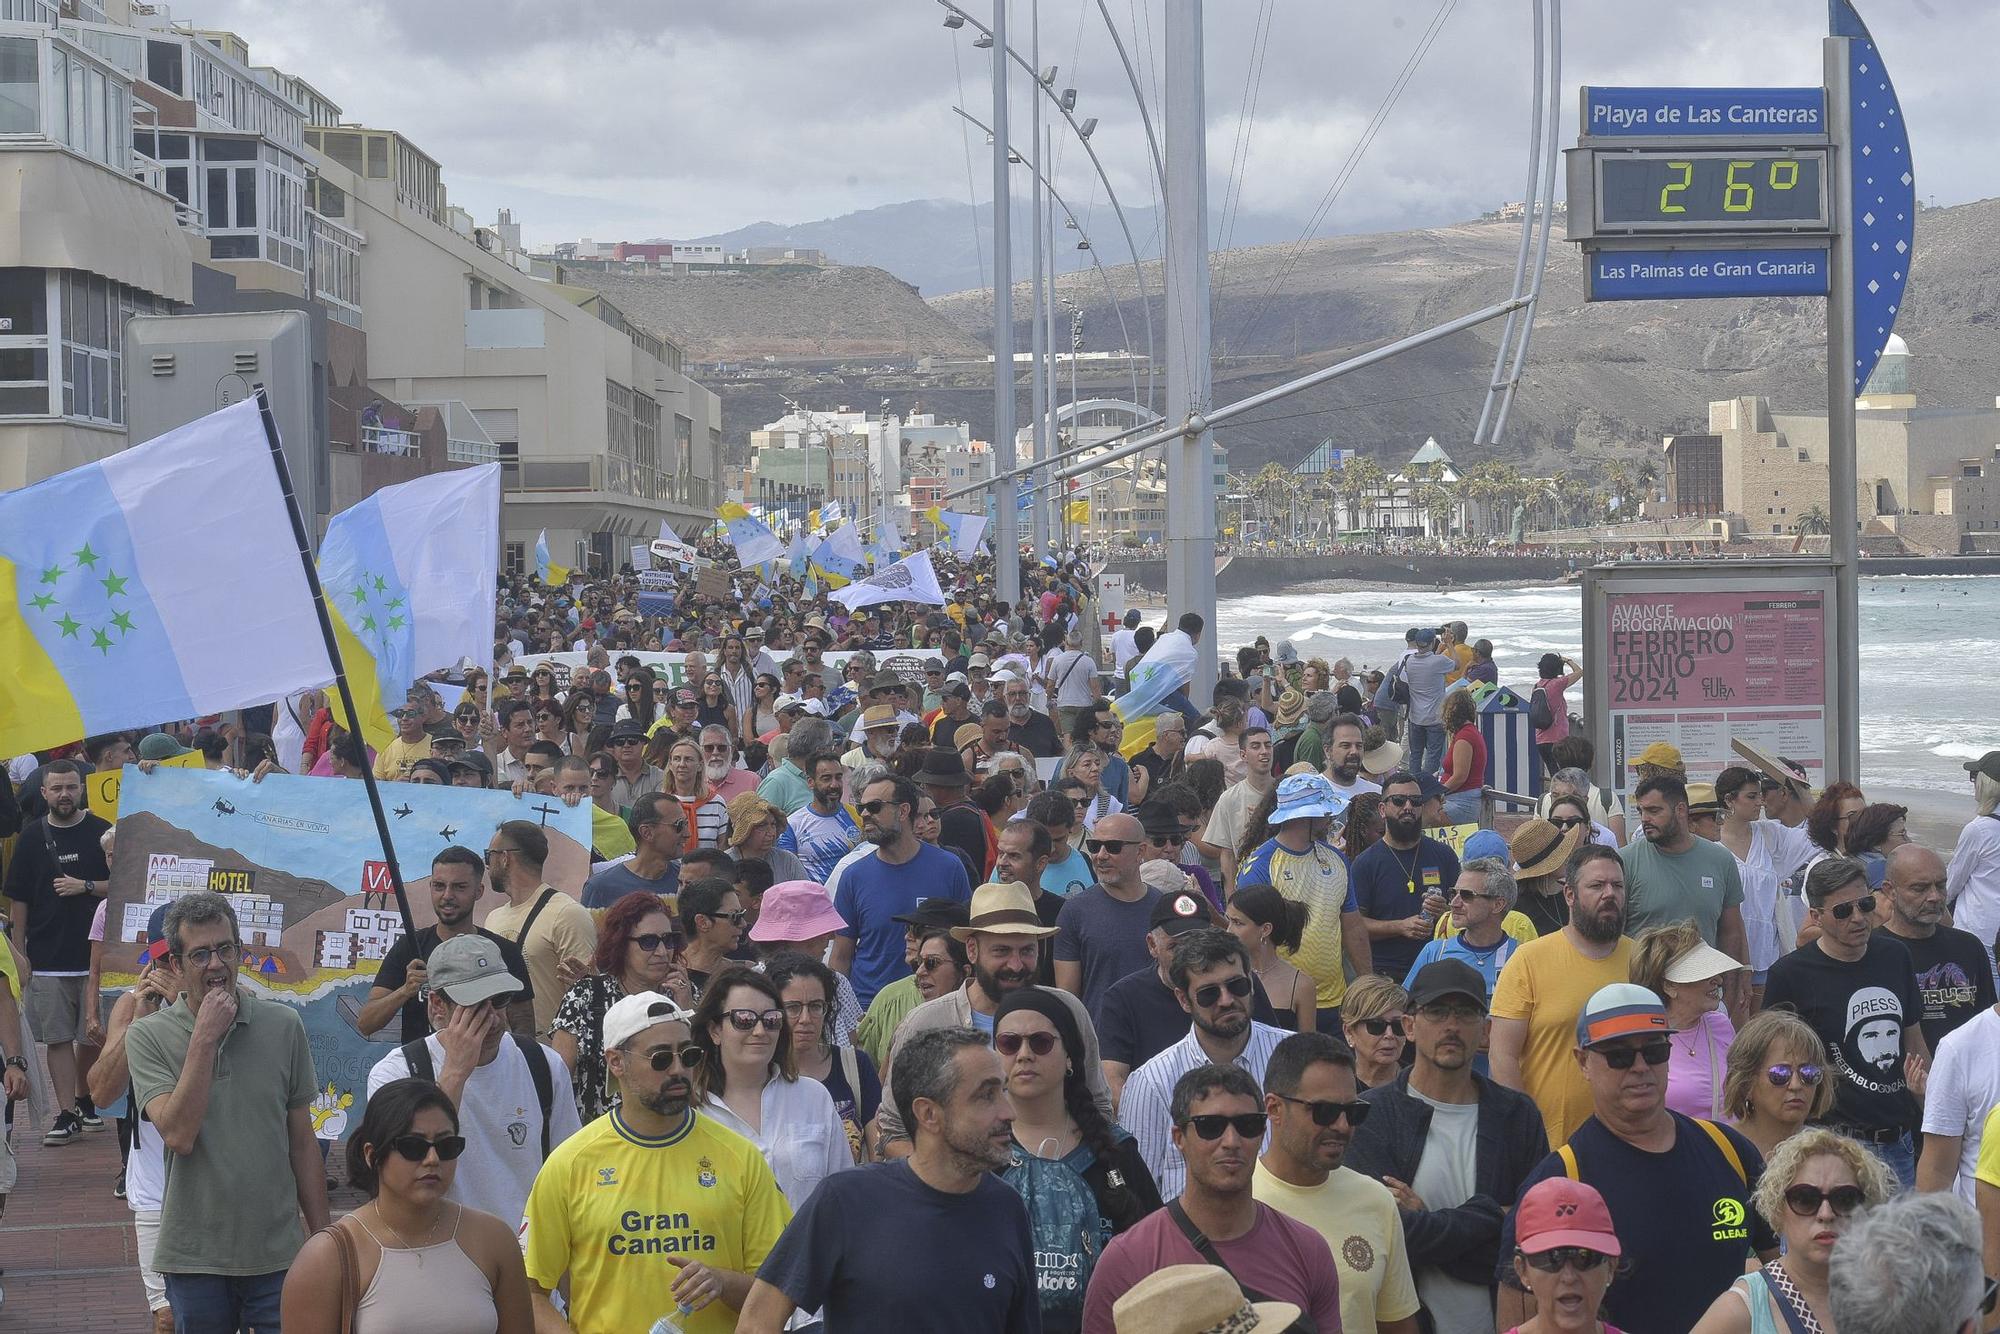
(17, 1063)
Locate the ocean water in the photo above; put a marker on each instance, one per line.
(1929, 647)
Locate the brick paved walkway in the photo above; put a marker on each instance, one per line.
(66, 1240)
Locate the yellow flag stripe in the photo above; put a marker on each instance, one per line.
(37, 710)
(363, 680)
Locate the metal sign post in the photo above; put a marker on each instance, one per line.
(1679, 193)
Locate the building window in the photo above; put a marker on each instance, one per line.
(163, 67)
(20, 86)
(517, 557)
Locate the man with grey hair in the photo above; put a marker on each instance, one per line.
(227, 1234)
(719, 767)
(1910, 1266)
(942, 1213)
(1486, 890)
(788, 787)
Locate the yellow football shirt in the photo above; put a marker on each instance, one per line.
(1547, 982)
(610, 1207)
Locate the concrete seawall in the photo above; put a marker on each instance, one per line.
(1244, 576)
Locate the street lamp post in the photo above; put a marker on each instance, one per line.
(1006, 536)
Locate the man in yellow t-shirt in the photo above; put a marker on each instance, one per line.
(410, 744)
(650, 1210)
(1311, 1100)
(1544, 987)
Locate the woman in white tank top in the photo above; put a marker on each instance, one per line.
(409, 1259)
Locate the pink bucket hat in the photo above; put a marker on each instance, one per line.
(795, 910)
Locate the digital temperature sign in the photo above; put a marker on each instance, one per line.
(1747, 190)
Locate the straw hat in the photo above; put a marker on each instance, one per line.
(1539, 848)
(1291, 708)
(1196, 1299)
(1384, 757)
(1003, 909)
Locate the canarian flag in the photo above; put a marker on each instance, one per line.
(755, 543)
(839, 558)
(551, 574)
(800, 554)
(1167, 666)
(965, 530)
(409, 575)
(163, 582)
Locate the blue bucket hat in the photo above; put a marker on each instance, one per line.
(1307, 797)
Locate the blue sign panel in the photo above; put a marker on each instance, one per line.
(1885, 193)
(1733, 113)
(1669, 275)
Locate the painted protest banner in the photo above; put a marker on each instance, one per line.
(100, 789)
(1696, 667)
(301, 862)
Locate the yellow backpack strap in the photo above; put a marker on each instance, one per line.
(1728, 1149)
(1568, 1155)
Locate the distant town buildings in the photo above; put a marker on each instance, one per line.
(691, 254)
(868, 463)
(151, 172)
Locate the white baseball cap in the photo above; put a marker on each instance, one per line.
(634, 1014)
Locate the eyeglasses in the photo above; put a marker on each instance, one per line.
(745, 1020)
(1553, 1261)
(1621, 1058)
(1207, 996)
(930, 963)
(662, 1058)
(735, 918)
(203, 956)
(1989, 1296)
(653, 940)
(1805, 1200)
(1471, 897)
(1114, 846)
(1573, 822)
(1402, 801)
(1250, 1125)
(1009, 1044)
(618, 742)
(1781, 1075)
(1375, 1028)
(716, 748)
(1865, 905)
(600, 773)
(1463, 1014)
(1326, 1113)
(491, 853)
(873, 807)
(804, 1009)
(928, 813)
(416, 1148)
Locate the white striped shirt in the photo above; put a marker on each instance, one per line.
(1145, 1107)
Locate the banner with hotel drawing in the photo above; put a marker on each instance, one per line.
(300, 861)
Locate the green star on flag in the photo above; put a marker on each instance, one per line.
(114, 584)
(368, 623)
(52, 574)
(100, 641)
(86, 556)
(42, 601)
(381, 584)
(123, 620)
(68, 626)
(359, 593)
(397, 622)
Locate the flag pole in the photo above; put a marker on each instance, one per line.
(333, 654)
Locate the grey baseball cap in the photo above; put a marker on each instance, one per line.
(469, 971)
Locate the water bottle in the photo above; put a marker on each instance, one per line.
(668, 1324)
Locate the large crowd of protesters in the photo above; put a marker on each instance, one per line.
(908, 991)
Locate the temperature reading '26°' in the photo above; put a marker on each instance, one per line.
(1712, 191)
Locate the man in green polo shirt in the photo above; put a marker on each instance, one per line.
(227, 1078)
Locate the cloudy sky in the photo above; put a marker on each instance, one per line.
(631, 118)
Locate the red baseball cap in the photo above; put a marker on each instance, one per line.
(1561, 1212)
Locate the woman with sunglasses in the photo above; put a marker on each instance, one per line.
(760, 719)
(419, 1260)
(638, 949)
(549, 724)
(714, 704)
(1810, 1190)
(1080, 1175)
(579, 717)
(1266, 922)
(1565, 1253)
(1372, 1014)
(640, 706)
(1776, 1079)
(749, 1081)
(812, 992)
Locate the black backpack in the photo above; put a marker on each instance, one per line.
(1540, 716)
(418, 1054)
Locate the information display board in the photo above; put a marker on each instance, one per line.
(1698, 654)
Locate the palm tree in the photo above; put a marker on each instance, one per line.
(1361, 482)
(1813, 522)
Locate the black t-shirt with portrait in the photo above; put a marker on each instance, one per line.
(1859, 1010)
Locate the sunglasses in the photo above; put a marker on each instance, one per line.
(1250, 1125)
(1375, 1028)
(653, 940)
(930, 963)
(1207, 996)
(416, 1148)
(745, 1020)
(1471, 897)
(1621, 1058)
(735, 918)
(1326, 1113)
(1009, 1044)
(1580, 1258)
(1805, 1200)
(662, 1058)
(1865, 905)
(1781, 1075)
(873, 807)
(1114, 846)
(1402, 801)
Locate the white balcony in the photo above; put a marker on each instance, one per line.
(387, 440)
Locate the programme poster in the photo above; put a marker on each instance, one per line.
(302, 864)
(1696, 668)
